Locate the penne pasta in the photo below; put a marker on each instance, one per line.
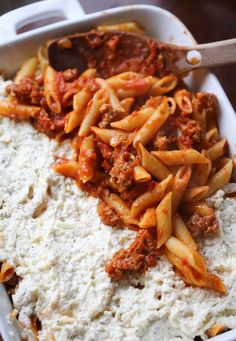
(200, 207)
(211, 118)
(120, 207)
(189, 275)
(135, 88)
(221, 177)
(121, 79)
(17, 111)
(164, 220)
(80, 101)
(72, 120)
(202, 171)
(217, 150)
(181, 232)
(212, 281)
(188, 255)
(193, 277)
(87, 159)
(127, 26)
(43, 59)
(113, 98)
(180, 182)
(195, 194)
(110, 136)
(180, 157)
(163, 85)
(152, 197)
(152, 125)
(92, 112)
(68, 95)
(7, 271)
(183, 100)
(134, 121)
(216, 329)
(34, 329)
(51, 90)
(199, 114)
(211, 137)
(126, 104)
(89, 73)
(171, 102)
(140, 174)
(28, 68)
(152, 164)
(148, 219)
(129, 84)
(67, 168)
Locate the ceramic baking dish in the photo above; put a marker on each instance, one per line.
(15, 47)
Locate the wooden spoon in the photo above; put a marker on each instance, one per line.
(113, 52)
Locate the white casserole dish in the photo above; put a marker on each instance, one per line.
(15, 48)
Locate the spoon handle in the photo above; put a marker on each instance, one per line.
(207, 55)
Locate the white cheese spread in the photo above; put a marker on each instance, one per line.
(51, 232)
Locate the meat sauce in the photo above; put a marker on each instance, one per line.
(30, 91)
(202, 225)
(115, 165)
(141, 254)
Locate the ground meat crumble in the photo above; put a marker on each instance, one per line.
(202, 225)
(28, 91)
(108, 216)
(141, 254)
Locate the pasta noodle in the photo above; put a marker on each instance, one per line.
(51, 90)
(148, 219)
(127, 26)
(27, 69)
(221, 178)
(180, 183)
(181, 232)
(110, 136)
(80, 101)
(183, 100)
(202, 171)
(87, 159)
(141, 175)
(150, 198)
(217, 150)
(195, 194)
(120, 207)
(193, 277)
(134, 121)
(92, 113)
(113, 98)
(164, 220)
(67, 168)
(163, 85)
(190, 256)
(216, 329)
(152, 164)
(43, 59)
(17, 111)
(6, 272)
(152, 125)
(180, 157)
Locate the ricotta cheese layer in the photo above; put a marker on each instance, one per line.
(51, 232)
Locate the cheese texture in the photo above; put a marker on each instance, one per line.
(51, 232)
